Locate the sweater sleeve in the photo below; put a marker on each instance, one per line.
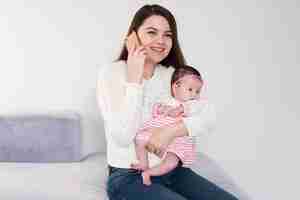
(192, 107)
(120, 104)
(202, 121)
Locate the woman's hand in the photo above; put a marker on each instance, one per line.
(136, 59)
(160, 138)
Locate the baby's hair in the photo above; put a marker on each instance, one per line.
(183, 71)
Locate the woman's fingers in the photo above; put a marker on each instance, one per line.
(133, 43)
(157, 151)
(137, 52)
(150, 148)
(140, 51)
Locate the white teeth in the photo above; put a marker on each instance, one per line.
(157, 49)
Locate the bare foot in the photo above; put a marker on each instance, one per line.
(146, 178)
(138, 166)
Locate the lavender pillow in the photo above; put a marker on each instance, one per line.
(40, 138)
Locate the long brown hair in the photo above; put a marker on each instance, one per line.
(175, 57)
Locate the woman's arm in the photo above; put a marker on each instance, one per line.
(120, 103)
(202, 121)
(161, 137)
(198, 124)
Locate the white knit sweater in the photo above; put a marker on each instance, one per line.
(125, 106)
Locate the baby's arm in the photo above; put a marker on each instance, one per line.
(176, 111)
(185, 109)
(161, 109)
(155, 109)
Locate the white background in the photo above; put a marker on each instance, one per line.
(248, 52)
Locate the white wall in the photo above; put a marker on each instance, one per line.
(247, 51)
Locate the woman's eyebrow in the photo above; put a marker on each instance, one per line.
(155, 29)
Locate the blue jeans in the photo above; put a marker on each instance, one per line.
(179, 184)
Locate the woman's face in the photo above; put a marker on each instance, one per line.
(155, 34)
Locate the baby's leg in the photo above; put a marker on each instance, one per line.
(169, 163)
(142, 155)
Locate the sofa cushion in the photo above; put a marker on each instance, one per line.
(40, 138)
(40, 181)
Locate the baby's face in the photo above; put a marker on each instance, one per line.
(187, 88)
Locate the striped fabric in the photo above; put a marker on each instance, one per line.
(184, 147)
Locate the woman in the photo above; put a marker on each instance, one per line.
(127, 90)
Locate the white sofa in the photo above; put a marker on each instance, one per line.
(40, 156)
(94, 176)
(81, 180)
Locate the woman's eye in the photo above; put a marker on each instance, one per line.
(151, 32)
(169, 35)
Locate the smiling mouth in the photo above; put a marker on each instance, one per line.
(157, 49)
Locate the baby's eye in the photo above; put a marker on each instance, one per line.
(198, 91)
(190, 89)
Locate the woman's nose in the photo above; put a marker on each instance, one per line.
(160, 39)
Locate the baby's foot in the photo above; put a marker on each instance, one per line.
(146, 178)
(138, 166)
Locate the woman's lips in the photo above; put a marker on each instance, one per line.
(157, 49)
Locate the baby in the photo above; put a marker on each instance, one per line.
(186, 84)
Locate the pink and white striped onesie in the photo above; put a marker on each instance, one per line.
(183, 147)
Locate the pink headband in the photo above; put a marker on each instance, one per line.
(192, 76)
